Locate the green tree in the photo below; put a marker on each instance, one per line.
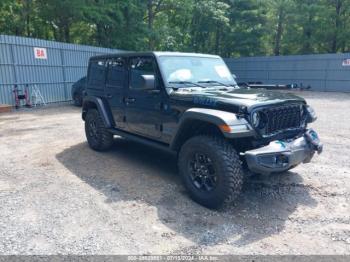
(225, 27)
(279, 15)
(248, 27)
(334, 21)
(60, 16)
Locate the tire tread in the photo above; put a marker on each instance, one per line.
(233, 174)
(106, 137)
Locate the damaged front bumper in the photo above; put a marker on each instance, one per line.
(280, 156)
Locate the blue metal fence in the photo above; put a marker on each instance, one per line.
(329, 72)
(52, 66)
(62, 64)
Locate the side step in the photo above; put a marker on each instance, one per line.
(142, 140)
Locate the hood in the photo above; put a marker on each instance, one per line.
(250, 98)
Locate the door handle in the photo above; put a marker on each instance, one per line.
(129, 100)
(154, 91)
(109, 96)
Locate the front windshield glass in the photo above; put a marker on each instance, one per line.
(196, 70)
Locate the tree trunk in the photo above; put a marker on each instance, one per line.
(279, 32)
(99, 37)
(25, 16)
(217, 38)
(55, 32)
(194, 20)
(307, 48)
(60, 34)
(28, 25)
(150, 24)
(338, 6)
(126, 14)
(67, 33)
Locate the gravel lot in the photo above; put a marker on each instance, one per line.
(59, 197)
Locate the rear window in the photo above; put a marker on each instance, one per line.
(97, 72)
(116, 73)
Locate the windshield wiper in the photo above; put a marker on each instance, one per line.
(214, 82)
(186, 83)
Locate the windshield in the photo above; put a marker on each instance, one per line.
(193, 70)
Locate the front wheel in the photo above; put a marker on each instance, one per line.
(98, 137)
(211, 170)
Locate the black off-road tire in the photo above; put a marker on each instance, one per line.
(99, 138)
(226, 163)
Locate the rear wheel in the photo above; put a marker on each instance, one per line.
(98, 137)
(211, 170)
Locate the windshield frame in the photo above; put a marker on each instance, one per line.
(168, 85)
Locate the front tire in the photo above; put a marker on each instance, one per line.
(211, 170)
(98, 137)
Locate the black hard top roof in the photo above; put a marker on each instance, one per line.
(158, 54)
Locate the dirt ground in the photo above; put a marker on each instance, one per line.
(59, 197)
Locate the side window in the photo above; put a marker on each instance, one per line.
(116, 73)
(97, 72)
(141, 66)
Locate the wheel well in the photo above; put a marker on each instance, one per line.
(86, 106)
(193, 128)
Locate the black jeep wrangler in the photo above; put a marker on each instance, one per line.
(190, 104)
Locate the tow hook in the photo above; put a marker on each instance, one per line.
(314, 141)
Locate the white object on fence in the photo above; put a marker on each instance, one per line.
(37, 98)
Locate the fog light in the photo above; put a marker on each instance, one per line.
(273, 161)
(281, 160)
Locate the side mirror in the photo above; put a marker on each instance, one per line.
(148, 81)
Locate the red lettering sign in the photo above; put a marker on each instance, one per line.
(40, 53)
(346, 62)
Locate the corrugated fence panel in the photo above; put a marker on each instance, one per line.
(67, 63)
(7, 74)
(54, 75)
(321, 72)
(6, 94)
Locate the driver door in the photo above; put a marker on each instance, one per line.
(143, 103)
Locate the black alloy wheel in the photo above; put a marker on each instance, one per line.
(203, 173)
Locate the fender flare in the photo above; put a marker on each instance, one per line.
(102, 108)
(239, 127)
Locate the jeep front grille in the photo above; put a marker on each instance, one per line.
(281, 118)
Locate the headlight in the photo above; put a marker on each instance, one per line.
(311, 114)
(256, 119)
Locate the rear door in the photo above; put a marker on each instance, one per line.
(116, 81)
(96, 77)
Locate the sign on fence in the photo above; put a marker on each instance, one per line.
(40, 53)
(346, 62)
